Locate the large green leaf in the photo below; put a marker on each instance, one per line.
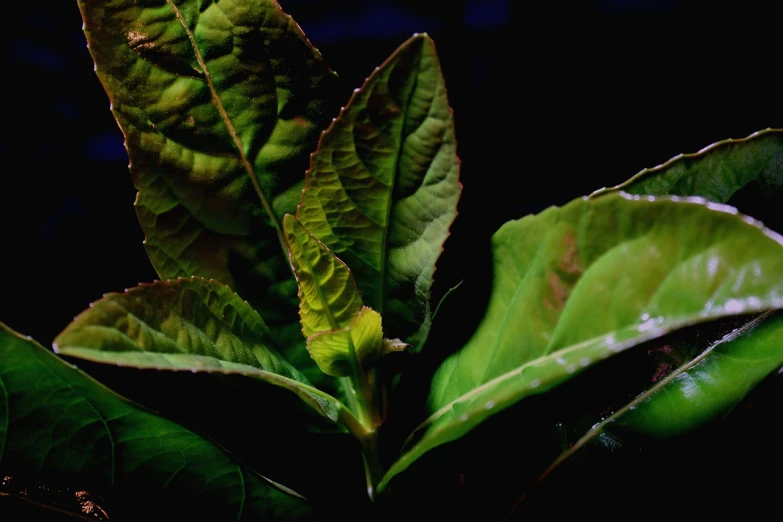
(574, 285)
(71, 444)
(716, 172)
(213, 365)
(221, 104)
(383, 186)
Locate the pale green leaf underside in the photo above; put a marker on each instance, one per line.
(61, 434)
(699, 391)
(328, 297)
(573, 285)
(716, 172)
(221, 104)
(334, 350)
(383, 186)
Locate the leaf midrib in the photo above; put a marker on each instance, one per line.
(319, 291)
(502, 402)
(598, 428)
(655, 333)
(88, 402)
(384, 239)
(230, 127)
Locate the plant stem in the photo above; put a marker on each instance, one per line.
(354, 402)
(364, 391)
(357, 420)
(373, 469)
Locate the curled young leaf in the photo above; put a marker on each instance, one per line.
(335, 350)
(328, 297)
(393, 345)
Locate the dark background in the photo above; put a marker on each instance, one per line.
(551, 103)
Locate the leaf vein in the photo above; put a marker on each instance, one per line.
(230, 126)
(112, 470)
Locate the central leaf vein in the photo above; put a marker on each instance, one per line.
(100, 417)
(598, 428)
(384, 238)
(230, 126)
(244, 493)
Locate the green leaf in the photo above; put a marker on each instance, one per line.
(575, 285)
(716, 172)
(334, 350)
(710, 385)
(221, 104)
(207, 361)
(186, 324)
(701, 390)
(69, 443)
(383, 186)
(719, 173)
(328, 297)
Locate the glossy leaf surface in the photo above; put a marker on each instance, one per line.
(383, 186)
(71, 444)
(221, 104)
(716, 172)
(574, 285)
(679, 408)
(710, 385)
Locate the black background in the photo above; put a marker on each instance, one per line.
(550, 103)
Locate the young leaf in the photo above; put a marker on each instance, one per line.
(574, 285)
(68, 443)
(383, 186)
(716, 172)
(328, 297)
(220, 104)
(701, 390)
(333, 350)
